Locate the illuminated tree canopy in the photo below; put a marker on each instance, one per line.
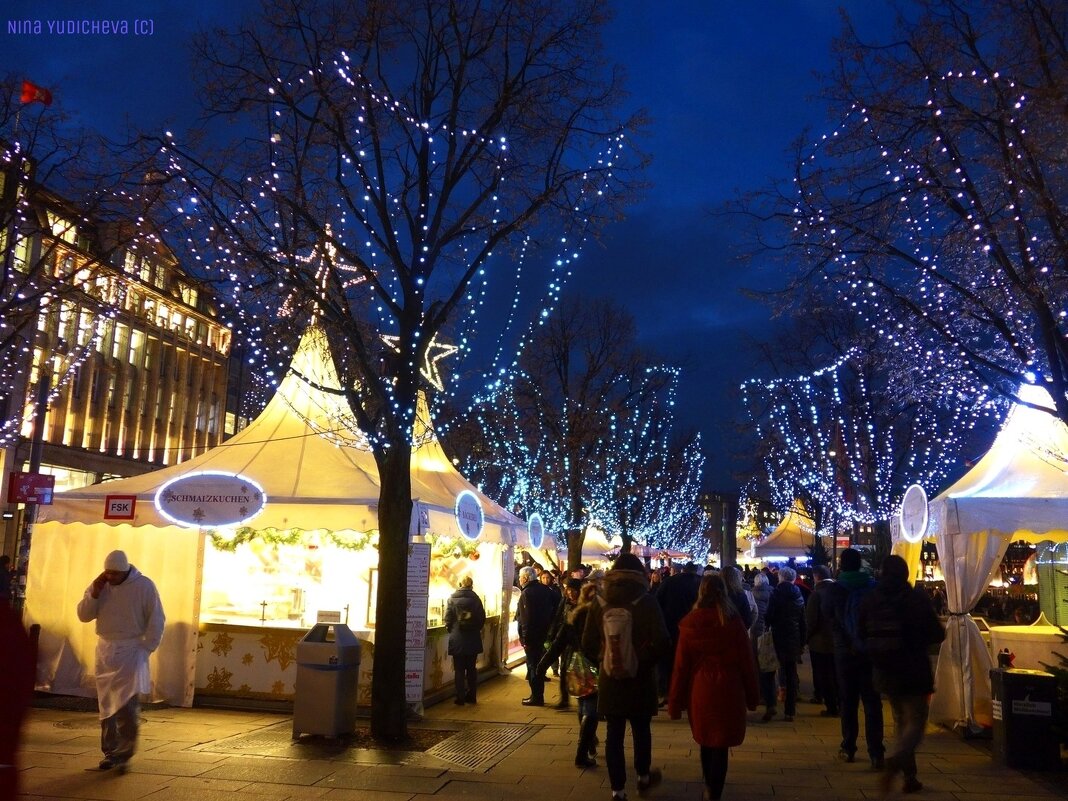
(391, 159)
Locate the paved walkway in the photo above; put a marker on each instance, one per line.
(518, 752)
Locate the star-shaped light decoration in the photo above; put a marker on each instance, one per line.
(435, 352)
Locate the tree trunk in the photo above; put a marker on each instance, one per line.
(575, 538)
(389, 710)
(881, 531)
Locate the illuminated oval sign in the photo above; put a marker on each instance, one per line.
(210, 499)
(535, 530)
(914, 513)
(469, 517)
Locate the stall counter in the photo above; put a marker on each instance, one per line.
(258, 663)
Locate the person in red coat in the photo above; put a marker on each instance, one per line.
(714, 679)
(16, 691)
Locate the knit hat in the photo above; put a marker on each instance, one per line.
(116, 560)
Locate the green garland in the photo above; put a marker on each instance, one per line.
(451, 546)
(357, 541)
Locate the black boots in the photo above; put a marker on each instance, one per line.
(587, 735)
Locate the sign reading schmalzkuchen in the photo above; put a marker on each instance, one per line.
(209, 500)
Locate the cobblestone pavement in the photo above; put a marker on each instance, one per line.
(499, 750)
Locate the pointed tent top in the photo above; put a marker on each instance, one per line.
(794, 535)
(1029, 457)
(306, 452)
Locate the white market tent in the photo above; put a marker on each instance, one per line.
(792, 538)
(315, 474)
(1017, 491)
(598, 545)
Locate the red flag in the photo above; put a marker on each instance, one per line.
(32, 93)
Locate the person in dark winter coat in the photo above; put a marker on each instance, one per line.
(676, 596)
(738, 594)
(534, 614)
(561, 641)
(715, 679)
(853, 668)
(464, 618)
(633, 699)
(898, 624)
(786, 619)
(766, 679)
(821, 643)
(574, 627)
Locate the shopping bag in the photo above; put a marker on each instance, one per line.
(581, 677)
(766, 657)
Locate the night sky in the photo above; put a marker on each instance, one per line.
(728, 87)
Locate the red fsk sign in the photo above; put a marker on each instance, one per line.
(119, 507)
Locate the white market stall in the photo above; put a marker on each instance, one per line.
(1017, 491)
(239, 597)
(793, 538)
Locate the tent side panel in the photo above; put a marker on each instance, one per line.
(66, 558)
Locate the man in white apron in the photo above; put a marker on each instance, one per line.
(129, 622)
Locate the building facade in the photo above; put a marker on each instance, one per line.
(123, 351)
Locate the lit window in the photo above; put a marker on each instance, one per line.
(62, 229)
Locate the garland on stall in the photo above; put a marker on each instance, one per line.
(452, 546)
(356, 541)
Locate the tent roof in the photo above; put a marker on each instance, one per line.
(794, 535)
(1020, 486)
(306, 452)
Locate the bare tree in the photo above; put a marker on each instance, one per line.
(551, 430)
(653, 469)
(838, 431)
(395, 154)
(937, 207)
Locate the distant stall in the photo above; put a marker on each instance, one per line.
(793, 538)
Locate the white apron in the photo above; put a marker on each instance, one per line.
(121, 673)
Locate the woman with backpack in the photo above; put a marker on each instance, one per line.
(464, 618)
(715, 680)
(625, 635)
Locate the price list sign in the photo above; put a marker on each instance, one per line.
(415, 633)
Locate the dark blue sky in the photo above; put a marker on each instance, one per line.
(728, 86)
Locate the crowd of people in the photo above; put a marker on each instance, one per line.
(687, 640)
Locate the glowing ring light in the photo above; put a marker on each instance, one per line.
(469, 516)
(535, 530)
(914, 514)
(210, 499)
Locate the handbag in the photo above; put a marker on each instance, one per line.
(767, 659)
(581, 676)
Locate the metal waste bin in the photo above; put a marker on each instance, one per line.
(1025, 702)
(328, 669)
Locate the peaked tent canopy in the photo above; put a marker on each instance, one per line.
(1018, 490)
(792, 538)
(316, 472)
(303, 450)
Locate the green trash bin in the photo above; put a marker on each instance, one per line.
(328, 669)
(1025, 703)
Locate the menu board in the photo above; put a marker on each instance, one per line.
(415, 632)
